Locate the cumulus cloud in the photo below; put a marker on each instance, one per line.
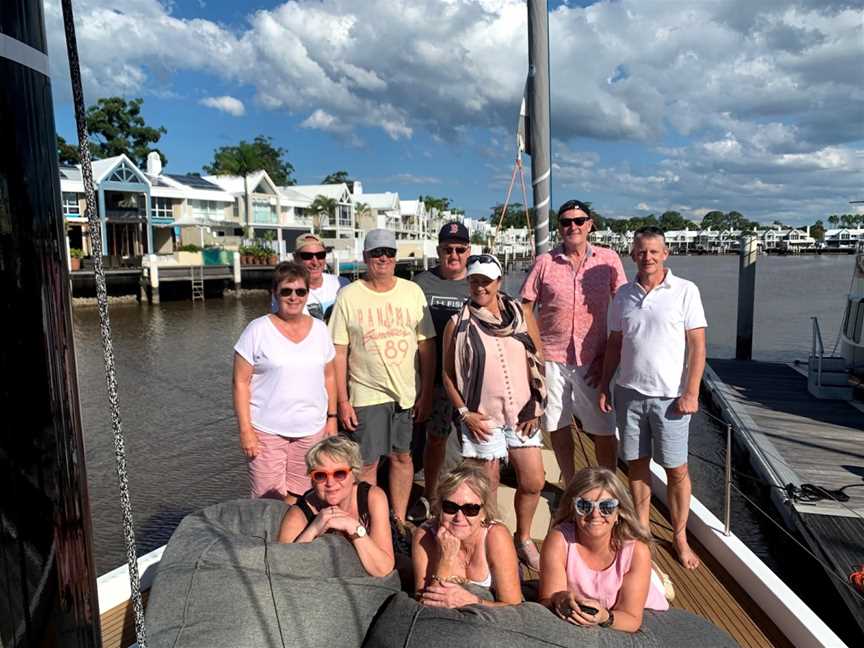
(226, 104)
(749, 85)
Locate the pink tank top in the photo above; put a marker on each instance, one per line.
(603, 585)
(505, 380)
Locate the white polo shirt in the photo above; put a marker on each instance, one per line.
(653, 327)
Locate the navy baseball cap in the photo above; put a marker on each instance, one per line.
(454, 231)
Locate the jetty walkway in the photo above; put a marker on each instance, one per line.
(797, 442)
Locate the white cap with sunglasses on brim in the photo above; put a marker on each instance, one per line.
(379, 238)
(484, 264)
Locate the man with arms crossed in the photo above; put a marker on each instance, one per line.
(446, 289)
(383, 334)
(657, 340)
(573, 285)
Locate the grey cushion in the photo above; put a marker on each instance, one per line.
(404, 623)
(213, 589)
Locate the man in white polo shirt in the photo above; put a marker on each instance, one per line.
(657, 341)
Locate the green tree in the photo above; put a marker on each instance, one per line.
(431, 202)
(834, 220)
(817, 230)
(672, 220)
(246, 157)
(116, 127)
(67, 153)
(322, 205)
(339, 177)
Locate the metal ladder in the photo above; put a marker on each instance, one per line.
(197, 282)
(827, 377)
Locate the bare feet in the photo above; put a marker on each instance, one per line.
(686, 556)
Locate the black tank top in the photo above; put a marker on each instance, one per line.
(363, 489)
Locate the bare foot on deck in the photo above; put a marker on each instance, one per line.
(686, 555)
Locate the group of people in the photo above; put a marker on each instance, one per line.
(405, 363)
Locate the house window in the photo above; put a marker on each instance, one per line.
(263, 212)
(162, 208)
(124, 174)
(207, 209)
(70, 205)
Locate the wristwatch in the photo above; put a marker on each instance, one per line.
(359, 532)
(462, 412)
(608, 622)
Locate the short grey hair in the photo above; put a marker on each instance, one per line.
(337, 448)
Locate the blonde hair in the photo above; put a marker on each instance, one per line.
(337, 448)
(472, 476)
(628, 526)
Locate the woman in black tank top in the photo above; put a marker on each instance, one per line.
(339, 503)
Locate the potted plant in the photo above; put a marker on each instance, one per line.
(75, 255)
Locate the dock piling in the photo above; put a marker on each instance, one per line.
(746, 297)
(238, 274)
(153, 293)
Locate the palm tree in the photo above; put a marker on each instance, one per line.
(322, 205)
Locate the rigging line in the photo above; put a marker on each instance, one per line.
(828, 569)
(95, 234)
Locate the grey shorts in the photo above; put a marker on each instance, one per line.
(646, 421)
(440, 423)
(381, 430)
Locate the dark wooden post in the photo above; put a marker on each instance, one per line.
(746, 297)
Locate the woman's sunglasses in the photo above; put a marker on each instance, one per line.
(319, 475)
(308, 256)
(579, 221)
(287, 292)
(483, 258)
(468, 510)
(584, 507)
(390, 253)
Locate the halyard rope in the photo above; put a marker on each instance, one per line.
(95, 234)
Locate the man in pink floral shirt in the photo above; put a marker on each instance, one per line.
(572, 287)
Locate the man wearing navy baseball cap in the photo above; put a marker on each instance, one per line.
(446, 289)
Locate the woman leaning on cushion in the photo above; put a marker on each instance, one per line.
(284, 388)
(595, 566)
(462, 544)
(339, 503)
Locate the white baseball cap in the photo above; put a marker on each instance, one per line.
(484, 264)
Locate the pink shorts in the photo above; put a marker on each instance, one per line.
(280, 467)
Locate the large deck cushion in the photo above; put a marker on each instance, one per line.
(223, 582)
(404, 623)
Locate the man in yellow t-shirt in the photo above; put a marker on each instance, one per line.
(385, 364)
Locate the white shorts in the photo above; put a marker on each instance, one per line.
(503, 440)
(568, 395)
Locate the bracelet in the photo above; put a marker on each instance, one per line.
(458, 580)
(331, 415)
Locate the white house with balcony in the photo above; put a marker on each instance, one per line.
(843, 238)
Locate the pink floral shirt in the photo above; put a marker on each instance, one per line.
(573, 304)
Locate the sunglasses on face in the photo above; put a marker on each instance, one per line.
(287, 292)
(579, 221)
(584, 507)
(390, 253)
(308, 256)
(483, 258)
(468, 510)
(319, 475)
(458, 249)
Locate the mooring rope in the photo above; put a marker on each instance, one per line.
(95, 234)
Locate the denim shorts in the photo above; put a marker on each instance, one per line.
(503, 440)
(646, 421)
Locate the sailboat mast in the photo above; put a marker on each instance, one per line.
(538, 109)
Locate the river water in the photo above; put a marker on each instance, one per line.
(174, 365)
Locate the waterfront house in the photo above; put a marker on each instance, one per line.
(843, 238)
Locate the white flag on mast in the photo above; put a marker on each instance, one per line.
(523, 128)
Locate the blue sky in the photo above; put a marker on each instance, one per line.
(657, 105)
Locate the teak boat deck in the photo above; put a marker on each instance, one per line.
(708, 591)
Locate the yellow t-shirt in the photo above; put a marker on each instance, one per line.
(381, 330)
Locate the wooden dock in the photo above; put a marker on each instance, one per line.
(796, 439)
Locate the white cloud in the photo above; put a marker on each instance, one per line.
(410, 178)
(761, 88)
(227, 104)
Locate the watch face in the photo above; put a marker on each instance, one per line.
(361, 531)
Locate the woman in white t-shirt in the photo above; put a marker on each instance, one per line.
(284, 388)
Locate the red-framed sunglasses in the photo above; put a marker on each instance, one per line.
(319, 475)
